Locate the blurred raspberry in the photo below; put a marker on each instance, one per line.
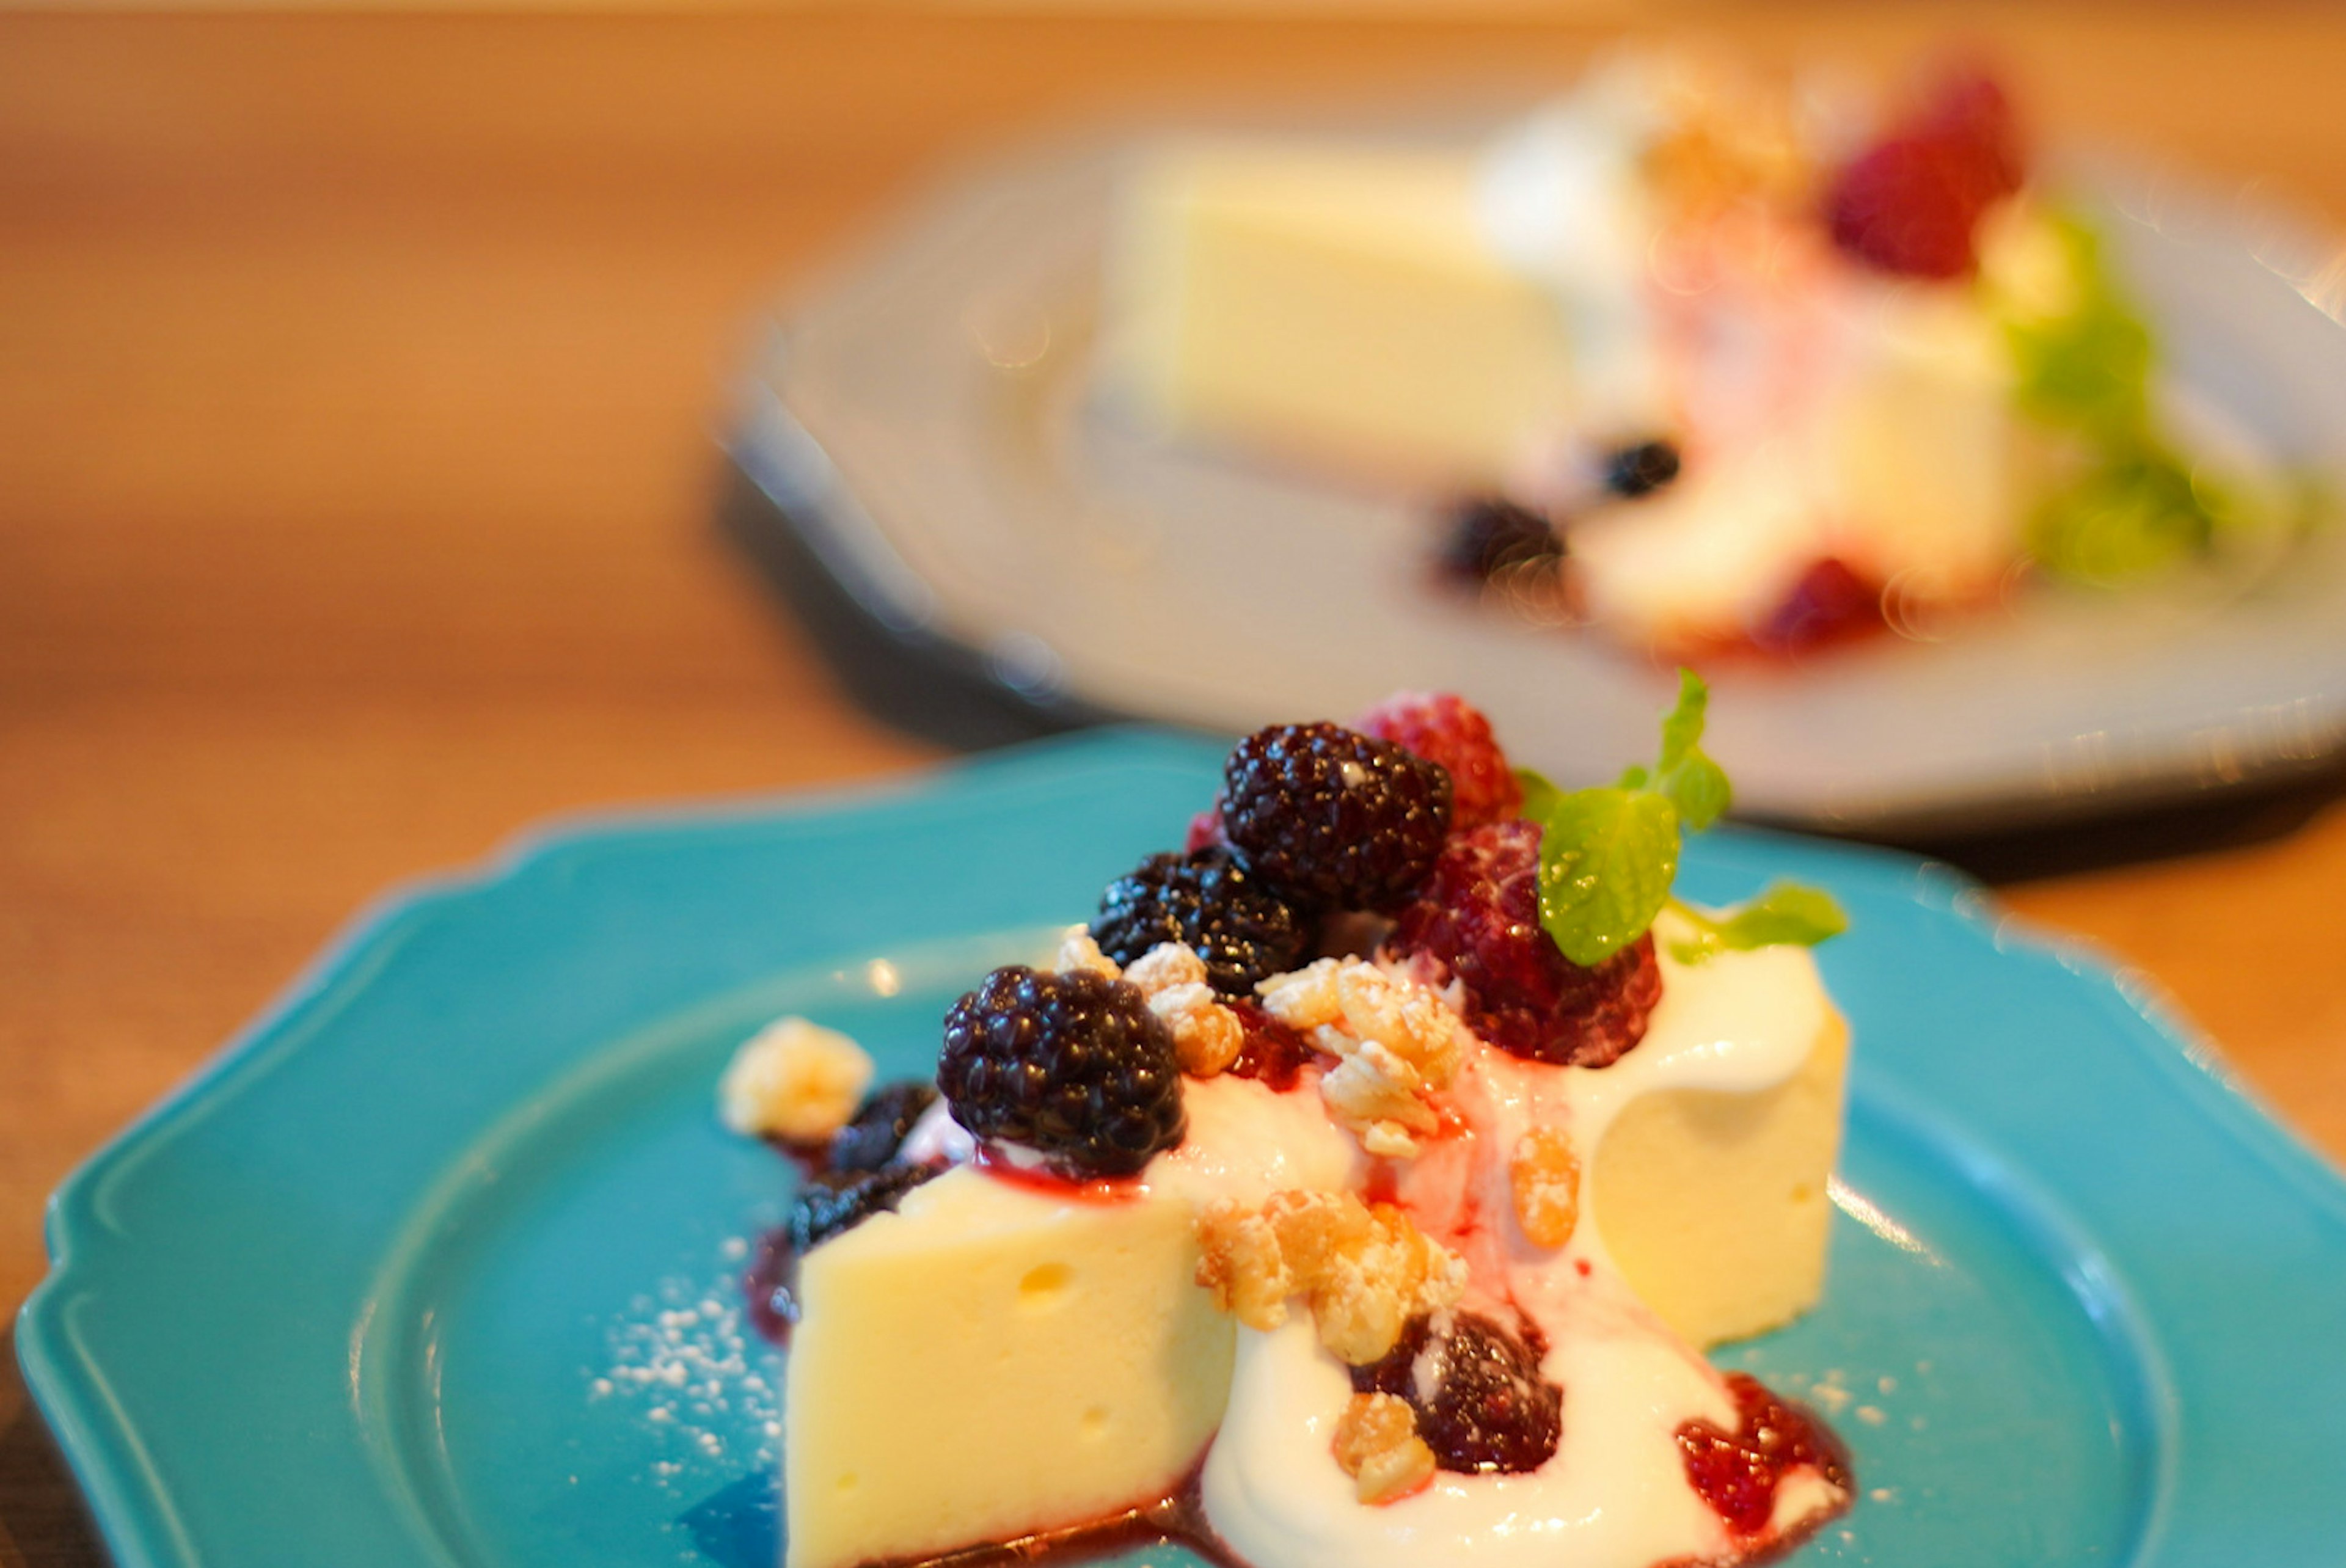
(1476, 920)
(1447, 729)
(1909, 203)
(1831, 603)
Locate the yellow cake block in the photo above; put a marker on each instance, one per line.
(1715, 1205)
(990, 1361)
(1334, 302)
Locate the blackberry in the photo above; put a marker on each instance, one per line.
(879, 1125)
(1243, 930)
(831, 1204)
(1481, 1403)
(1477, 921)
(1073, 1066)
(1641, 469)
(1333, 818)
(1489, 538)
(1447, 729)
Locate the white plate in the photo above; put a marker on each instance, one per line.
(924, 422)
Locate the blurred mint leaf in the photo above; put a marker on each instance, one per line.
(2133, 513)
(1787, 914)
(1695, 784)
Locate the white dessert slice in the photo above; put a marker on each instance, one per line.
(994, 1360)
(1335, 303)
(1714, 1201)
(990, 1361)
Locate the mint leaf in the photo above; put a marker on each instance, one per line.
(1540, 793)
(1787, 914)
(1606, 860)
(2135, 514)
(1695, 785)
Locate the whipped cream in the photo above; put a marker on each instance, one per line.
(1615, 1494)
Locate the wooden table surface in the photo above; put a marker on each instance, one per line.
(356, 383)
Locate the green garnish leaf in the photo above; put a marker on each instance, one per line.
(1606, 860)
(1695, 785)
(1607, 856)
(1787, 914)
(1540, 793)
(2134, 513)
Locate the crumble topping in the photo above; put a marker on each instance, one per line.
(1207, 1034)
(1377, 1445)
(793, 1080)
(1543, 1172)
(1365, 1270)
(1078, 952)
(1396, 1041)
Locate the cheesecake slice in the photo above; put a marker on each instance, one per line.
(996, 1360)
(991, 1361)
(1337, 300)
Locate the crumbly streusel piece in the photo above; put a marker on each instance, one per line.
(1377, 1445)
(1543, 1172)
(1396, 1042)
(1365, 1270)
(793, 1080)
(1207, 1034)
(1078, 952)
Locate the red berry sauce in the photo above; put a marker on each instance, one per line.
(1273, 1053)
(1050, 1184)
(1736, 1473)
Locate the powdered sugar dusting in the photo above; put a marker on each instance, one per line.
(683, 1363)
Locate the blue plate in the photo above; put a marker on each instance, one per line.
(435, 1265)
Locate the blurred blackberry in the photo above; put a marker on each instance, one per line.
(1641, 469)
(1243, 930)
(831, 1204)
(1490, 538)
(1073, 1066)
(1331, 818)
(1481, 1403)
(879, 1125)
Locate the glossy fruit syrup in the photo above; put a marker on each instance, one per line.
(1738, 1473)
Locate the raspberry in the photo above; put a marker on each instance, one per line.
(1641, 469)
(1448, 730)
(1205, 830)
(829, 1205)
(1831, 603)
(1073, 1066)
(1477, 920)
(1242, 930)
(1481, 1403)
(879, 1125)
(1491, 538)
(1909, 203)
(1331, 818)
(1736, 1473)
